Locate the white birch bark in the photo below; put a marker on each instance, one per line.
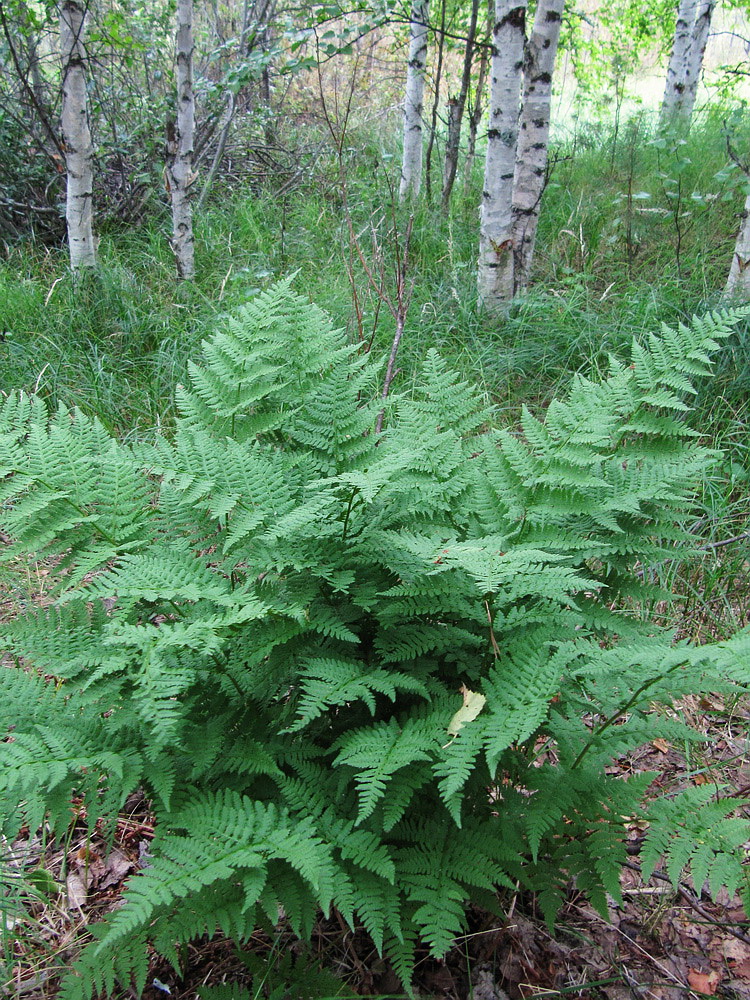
(738, 282)
(495, 282)
(678, 59)
(180, 146)
(533, 136)
(701, 29)
(78, 148)
(411, 168)
(686, 59)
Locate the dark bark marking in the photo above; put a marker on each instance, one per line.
(516, 18)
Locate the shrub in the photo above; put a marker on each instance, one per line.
(381, 673)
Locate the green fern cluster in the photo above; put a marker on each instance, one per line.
(267, 620)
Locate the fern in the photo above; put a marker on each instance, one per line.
(697, 830)
(267, 618)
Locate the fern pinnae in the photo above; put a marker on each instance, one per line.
(266, 617)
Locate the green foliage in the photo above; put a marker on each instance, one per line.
(270, 619)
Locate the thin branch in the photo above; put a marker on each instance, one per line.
(41, 112)
(694, 903)
(726, 541)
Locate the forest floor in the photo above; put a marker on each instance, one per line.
(657, 944)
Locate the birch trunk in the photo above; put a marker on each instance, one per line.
(686, 59)
(78, 148)
(495, 282)
(180, 146)
(701, 29)
(738, 282)
(456, 108)
(533, 137)
(411, 169)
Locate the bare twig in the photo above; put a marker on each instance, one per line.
(41, 112)
(694, 903)
(398, 299)
(726, 541)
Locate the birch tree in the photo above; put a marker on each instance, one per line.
(495, 279)
(533, 137)
(411, 168)
(686, 59)
(180, 146)
(78, 148)
(738, 282)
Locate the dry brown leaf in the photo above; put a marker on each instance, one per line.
(112, 870)
(485, 987)
(704, 982)
(662, 745)
(76, 890)
(734, 950)
(742, 970)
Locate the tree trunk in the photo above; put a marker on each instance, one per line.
(180, 146)
(79, 151)
(411, 170)
(686, 59)
(533, 137)
(738, 282)
(456, 109)
(435, 104)
(701, 29)
(475, 115)
(495, 281)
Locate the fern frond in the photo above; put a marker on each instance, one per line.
(377, 752)
(696, 830)
(328, 682)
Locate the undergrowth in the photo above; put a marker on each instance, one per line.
(606, 269)
(379, 674)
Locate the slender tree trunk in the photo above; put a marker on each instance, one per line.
(79, 151)
(456, 110)
(411, 169)
(495, 280)
(220, 147)
(533, 136)
(180, 146)
(678, 60)
(686, 60)
(475, 115)
(30, 45)
(435, 104)
(263, 13)
(738, 282)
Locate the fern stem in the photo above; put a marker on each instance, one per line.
(223, 670)
(348, 512)
(84, 513)
(625, 709)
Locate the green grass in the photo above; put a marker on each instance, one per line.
(608, 266)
